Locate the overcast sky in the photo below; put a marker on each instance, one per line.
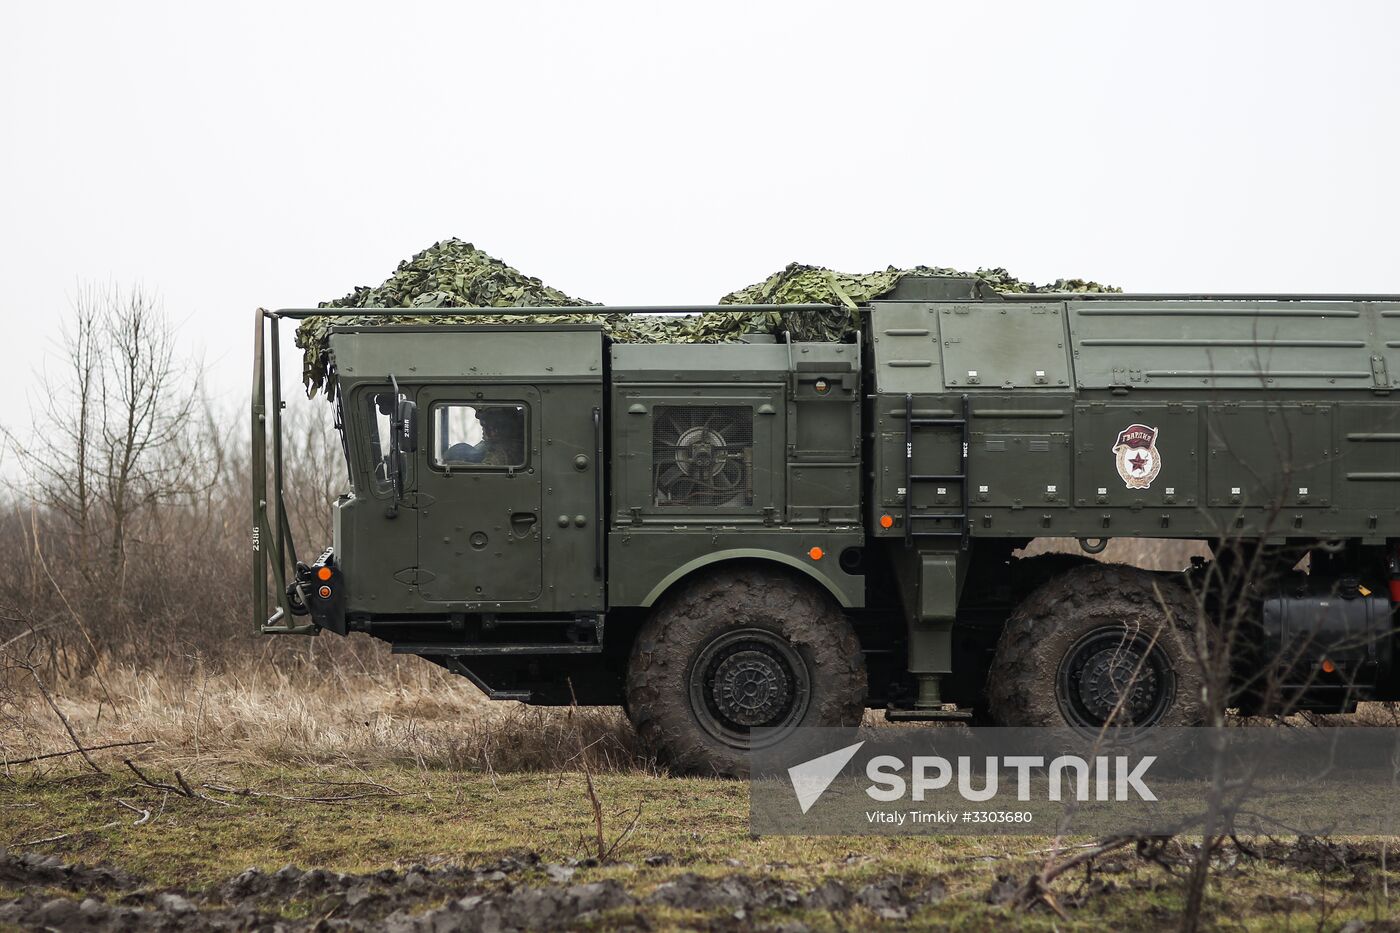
(246, 154)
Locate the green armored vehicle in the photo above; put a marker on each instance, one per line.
(770, 533)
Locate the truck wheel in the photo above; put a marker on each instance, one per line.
(729, 654)
(1029, 574)
(1096, 645)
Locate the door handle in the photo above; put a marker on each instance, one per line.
(521, 523)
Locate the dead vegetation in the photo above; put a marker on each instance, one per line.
(396, 712)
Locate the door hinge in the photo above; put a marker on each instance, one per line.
(414, 500)
(1124, 378)
(1379, 377)
(414, 576)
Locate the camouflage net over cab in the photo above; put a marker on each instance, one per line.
(454, 274)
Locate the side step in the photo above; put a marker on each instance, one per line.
(946, 714)
(457, 667)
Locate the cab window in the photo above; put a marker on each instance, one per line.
(479, 436)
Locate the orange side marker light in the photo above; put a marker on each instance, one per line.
(886, 521)
(324, 573)
(1328, 666)
(815, 553)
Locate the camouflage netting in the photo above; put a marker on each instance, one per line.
(454, 274)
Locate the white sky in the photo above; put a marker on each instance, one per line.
(277, 154)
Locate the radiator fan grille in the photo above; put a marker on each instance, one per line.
(702, 455)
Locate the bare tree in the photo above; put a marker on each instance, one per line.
(145, 409)
(57, 454)
(108, 435)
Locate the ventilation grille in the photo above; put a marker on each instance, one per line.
(702, 455)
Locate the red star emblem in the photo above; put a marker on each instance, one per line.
(1138, 463)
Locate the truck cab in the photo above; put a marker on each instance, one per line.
(505, 478)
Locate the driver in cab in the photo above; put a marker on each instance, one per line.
(502, 439)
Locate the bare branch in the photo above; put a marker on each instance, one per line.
(32, 630)
(602, 847)
(61, 836)
(249, 792)
(68, 726)
(158, 785)
(88, 748)
(145, 814)
(184, 789)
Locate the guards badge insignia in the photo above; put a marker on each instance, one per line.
(1137, 457)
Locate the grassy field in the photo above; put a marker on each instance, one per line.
(395, 792)
(541, 827)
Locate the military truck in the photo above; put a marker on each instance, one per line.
(773, 533)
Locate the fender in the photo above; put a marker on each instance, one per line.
(762, 554)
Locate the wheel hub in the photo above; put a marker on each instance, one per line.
(1118, 680)
(751, 687)
(745, 679)
(1116, 675)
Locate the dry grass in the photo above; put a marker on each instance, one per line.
(330, 709)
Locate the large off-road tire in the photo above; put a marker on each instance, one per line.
(1099, 643)
(1029, 574)
(749, 649)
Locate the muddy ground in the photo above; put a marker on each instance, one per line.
(526, 893)
(512, 894)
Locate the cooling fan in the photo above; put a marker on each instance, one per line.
(702, 455)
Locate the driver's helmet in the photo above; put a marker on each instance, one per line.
(502, 419)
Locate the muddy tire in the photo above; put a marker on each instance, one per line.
(746, 650)
(1029, 574)
(1096, 644)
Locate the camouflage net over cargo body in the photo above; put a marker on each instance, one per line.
(454, 274)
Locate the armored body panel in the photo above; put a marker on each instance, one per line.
(730, 452)
(1109, 417)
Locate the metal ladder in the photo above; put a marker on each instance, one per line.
(910, 477)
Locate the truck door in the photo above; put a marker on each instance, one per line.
(478, 502)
